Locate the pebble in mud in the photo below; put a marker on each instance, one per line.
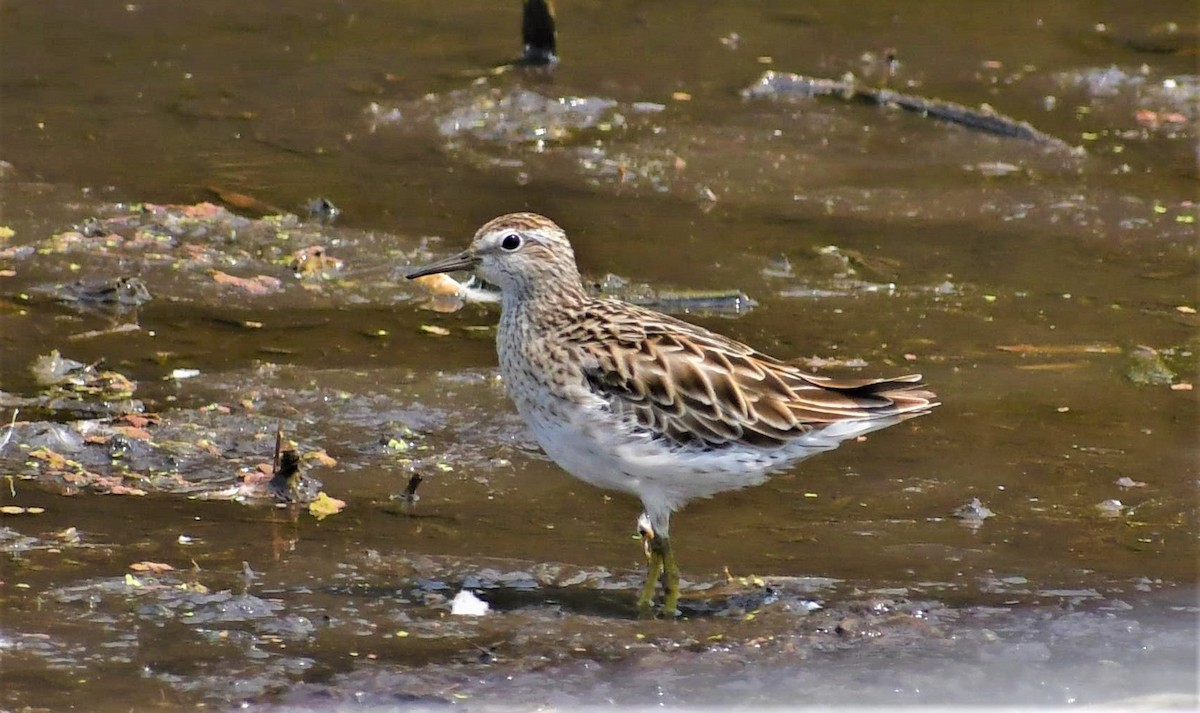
(1110, 229)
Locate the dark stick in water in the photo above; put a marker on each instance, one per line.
(538, 34)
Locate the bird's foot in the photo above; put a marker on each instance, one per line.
(660, 566)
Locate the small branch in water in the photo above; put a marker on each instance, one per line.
(285, 471)
(408, 499)
(778, 84)
(539, 38)
(119, 329)
(278, 444)
(12, 426)
(538, 34)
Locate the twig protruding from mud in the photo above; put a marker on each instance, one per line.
(538, 34)
(408, 499)
(285, 471)
(783, 84)
(12, 426)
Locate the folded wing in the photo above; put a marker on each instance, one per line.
(699, 388)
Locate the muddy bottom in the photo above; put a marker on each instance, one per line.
(300, 629)
(206, 213)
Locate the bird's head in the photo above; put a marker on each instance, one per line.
(521, 253)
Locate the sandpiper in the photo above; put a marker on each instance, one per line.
(628, 399)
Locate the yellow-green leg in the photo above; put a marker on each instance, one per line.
(654, 567)
(670, 576)
(660, 564)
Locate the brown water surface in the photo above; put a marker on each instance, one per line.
(1020, 279)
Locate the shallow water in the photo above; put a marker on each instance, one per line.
(1021, 280)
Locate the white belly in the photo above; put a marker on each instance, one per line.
(599, 448)
(592, 445)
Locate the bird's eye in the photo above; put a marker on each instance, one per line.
(511, 242)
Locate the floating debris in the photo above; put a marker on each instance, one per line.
(323, 506)
(467, 604)
(1147, 368)
(323, 210)
(257, 285)
(314, 261)
(151, 567)
(54, 368)
(118, 292)
(241, 201)
(288, 484)
(284, 484)
(116, 329)
(54, 467)
(973, 513)
(699, 301)
(18, 510)
(850, 262)
(995, 169)
(83, 389)
(1060, 349)
(408, 499)
(775, 85)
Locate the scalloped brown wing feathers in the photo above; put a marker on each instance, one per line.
(699, 388)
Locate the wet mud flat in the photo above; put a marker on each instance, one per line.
(146, 561)
(162, 318)
(375, 629)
